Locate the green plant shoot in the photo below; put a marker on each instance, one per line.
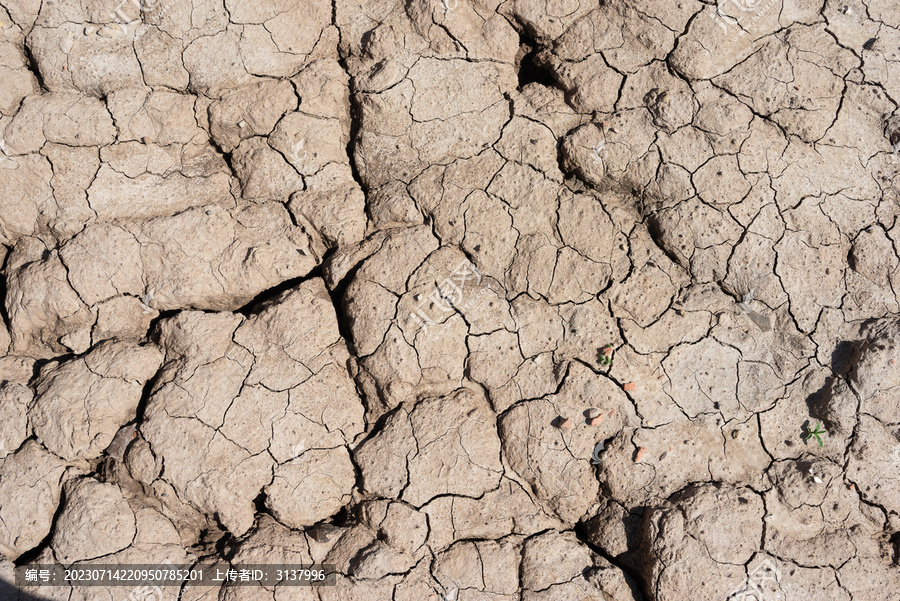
(817, 432)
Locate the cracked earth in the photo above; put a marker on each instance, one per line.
(473, 300)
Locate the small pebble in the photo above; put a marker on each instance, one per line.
(612, 412)
(639, 454)
(817, 480)
(111, 31)
(630, 386)
(593, 412)
(565, 424)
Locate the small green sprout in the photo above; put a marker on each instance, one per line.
(810, 433)
(606, 355)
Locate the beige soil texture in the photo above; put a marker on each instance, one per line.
(471, 300)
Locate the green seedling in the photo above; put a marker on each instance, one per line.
(810, 433)
(606, 355)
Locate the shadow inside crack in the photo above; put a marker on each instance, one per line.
(629, 562)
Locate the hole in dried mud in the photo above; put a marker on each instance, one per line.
(259, 503)
(530, 70)
(895, 542)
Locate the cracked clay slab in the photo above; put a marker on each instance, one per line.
(465, 299)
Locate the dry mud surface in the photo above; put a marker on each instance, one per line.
(475, 300)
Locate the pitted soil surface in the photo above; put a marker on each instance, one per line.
(472, 300)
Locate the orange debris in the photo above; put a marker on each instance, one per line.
(596, 420)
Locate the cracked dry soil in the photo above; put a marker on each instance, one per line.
(470, 299)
